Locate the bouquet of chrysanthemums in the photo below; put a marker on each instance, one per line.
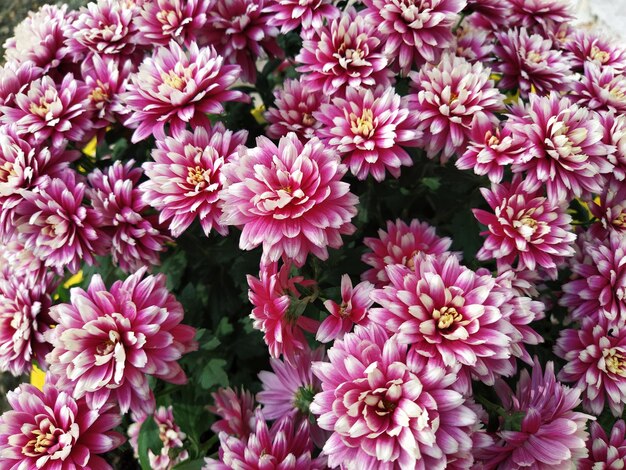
(311, 234)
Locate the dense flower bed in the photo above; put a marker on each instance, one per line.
(310, 234)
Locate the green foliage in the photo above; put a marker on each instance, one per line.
(148, 440)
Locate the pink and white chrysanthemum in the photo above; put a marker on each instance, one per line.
(272, 295)
(414, 32)
(48, 429)
(594, 46)
(550, 435)
(104, 27)
(602, 89)
(610, 210)
(368, 129)
(449, 314)
(389, 408)
(160, 21)
(596, 362)
(347, 52)
(564, 147)
(600, 286)
(135, 238)
(605, 452)
(525, 228)
(54, 224)
(107, 341)
(490, 149)
(306, 14)
(289, 198)
(614, 126)
(529, 62)
(355, 303)
(539, 15)
(399, 245)
(18, 264)
(294, 110)
(489, 14)
(178, 87)
(236, 410)
(474, 44)
(15, 78)
(47, 110)
(186, 177)
(449, 99)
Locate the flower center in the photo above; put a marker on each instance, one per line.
(615, 362)
(620, 220)
(173, 80)
(446, 316)
(106, 348)
(196, 176)
(41, 443)
(535, 57)
(363, 125)
(99, 94)
(7, 170)
(347, 55)
(41, 109)
(383, 401)
(308, 119)
(526, 225)
(599, 55)
(616, 90)
(167, 18)
(491, 139)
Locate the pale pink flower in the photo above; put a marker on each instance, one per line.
(525, 228)
(186, 177)
(595, 46)
(449, 98)
(610, 210)
(160, 21)
(602, 89)
(15, 77)
(107, 341)
(368, 129)
(178, 87)
(608, 453)
(387, 407)
(347, 52)
(289, 198)
(236, 411)
(355, 303)
(51, 430)
(539, 15)
(306, 14)
(399, 245)
(414, 32)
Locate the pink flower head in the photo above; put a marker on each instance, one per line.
(47, 110)
(605, 452)
(186, 176)
(399, 245)
(294, 110)
(610, 210)
(602, 89)
(17, 264)
(306, 14)
(368, 129)
(179, 88)
(551, 434)
(54, 224)
(355, 303)
(489, 14)
(15, 77)
(595, 47)
(600, 286)
(107, 341)
(348, 52)
(289, 198)
(449, 99)
(241, 33)
(389, 408)
(40, 38)
(539, 15)
(528, 62)
(474, 44)
(274, 296)
(447, 313)
(490, 149)
(236, 411)
(565, 149)
(51, 430)
(525, 228)
(135, 237)
(415, 32)
(614, 127)
(160, 21)
(105, 27)
(596, 361)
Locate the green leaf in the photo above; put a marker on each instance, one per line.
(174, 267)
(213, 374)
(195, 464)
(433, 183)
(148, 440)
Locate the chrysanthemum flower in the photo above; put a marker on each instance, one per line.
(525, 228)
(355, 302)
(51, 430)
(539, 15)
(289, 198)
(15, 77)
(551, 434)
(294, 110)
(368, 129)
(306, 14)
(186, 176)
(236, 411)
(489, 14)
(107, 341)
(600, 286)
(564, 147)
(178, 88)
(610, 210)
(415, 32)
(447, 313)
(474, 44)
(399, 245)
(594, 46)
(529, 62)
(135, 237)
(449, 99)
(348, 52)
(47, 110)
(18, 264)
(596, 362)
(389, 408)
(160, 21)
(607, 453)
(614, 127)
(602, 89)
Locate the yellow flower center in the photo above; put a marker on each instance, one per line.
(446, 316)
(620, 220)
(308, 119)
(195, 175)
(99, 93)
(599, 55)
(492, 140)
(40, 444)
(173, 80)
(535, 57)
(40, 109)
(108, 346)
(363, 125)
(615, 362)
(7, 170)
